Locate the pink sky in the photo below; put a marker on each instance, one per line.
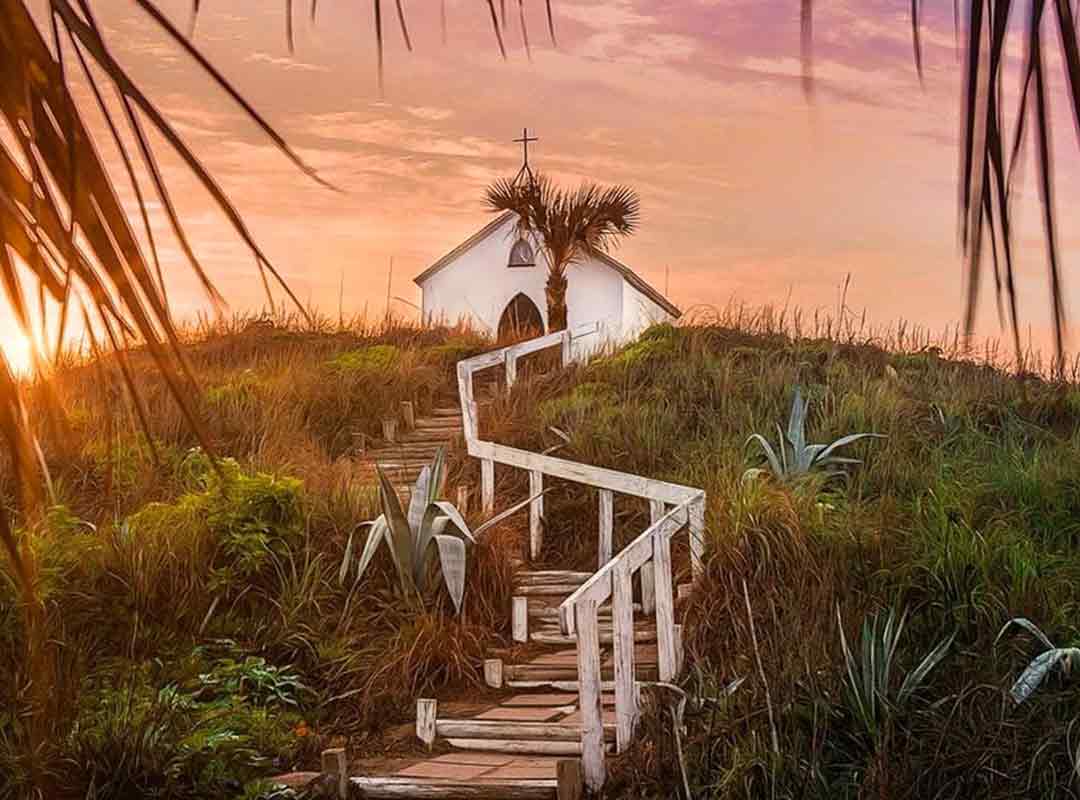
(747, 192)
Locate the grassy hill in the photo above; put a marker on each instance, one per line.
(203, 634)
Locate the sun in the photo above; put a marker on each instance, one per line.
(16, 349)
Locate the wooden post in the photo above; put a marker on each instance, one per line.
(520, 618)
(665, 609)
(570, 778)
(626, 709)
(408, 413)
(463, 499)
(680, 652)
(648, 586)
(697, 536)
(592, 720)
(493, 672)
(426, 711)
(468, 402)
(487, 485)
(536, 512)
(336, 764)
(360, 439)
(607, 524)
(510, 364)
(567, 350)
(389, 429)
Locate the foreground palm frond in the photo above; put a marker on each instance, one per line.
(990, 158)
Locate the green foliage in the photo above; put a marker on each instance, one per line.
(798, 458)
(372, 359)
(870, 684)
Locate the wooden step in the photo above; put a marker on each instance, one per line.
(555, 636)
(437, 423)
(551, 577)
(550, 613)
(554, 672)
(435, 789)
(447, 411)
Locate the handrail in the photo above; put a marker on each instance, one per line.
(673, 508)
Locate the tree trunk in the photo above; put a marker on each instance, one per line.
(555, 291)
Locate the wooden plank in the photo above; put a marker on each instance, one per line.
(519, 746)
(597, 477)
(536, 512)
(426, 711)
(626, 710)
(567, 348)
(520, 618)
(548, 589)
(511, 731)
(487, 485)
(408, 413)
(592, 725)
(607, 525)
(648, 589)
(697, 536)
(665, 609)
(336, 764)
(493, 672)
(428, 789)
(510, 365)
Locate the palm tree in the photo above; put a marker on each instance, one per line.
(61, 217)
(570, 224)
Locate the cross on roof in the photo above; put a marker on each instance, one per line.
(524, 142)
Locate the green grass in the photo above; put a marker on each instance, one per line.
(204, 612)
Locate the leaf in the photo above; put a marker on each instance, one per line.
(770, 454)
(796, 432)
(452, 564)
(1029, 626)
(401, 533)
(508, 512)
(451, 512)
(419, 500)
(346, 560)
(843, 441)
(914, 679)
(1037, 671)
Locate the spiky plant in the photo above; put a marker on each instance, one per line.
(798, 458)
(870, 683)
(432, 532)
(1064, 659)
(570, 225)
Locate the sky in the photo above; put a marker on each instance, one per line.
(749, 194)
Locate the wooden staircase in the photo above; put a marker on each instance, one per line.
(414, 449)
(516, 747)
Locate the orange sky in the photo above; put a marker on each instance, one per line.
(746, 191)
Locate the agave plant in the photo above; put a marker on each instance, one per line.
(868, 679)
(431, 531)
(803, 458)
(1063, 658)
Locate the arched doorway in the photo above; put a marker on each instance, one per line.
(520, 319)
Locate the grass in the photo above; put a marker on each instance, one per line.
(965, 516)
(201, 635)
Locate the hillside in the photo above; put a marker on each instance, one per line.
(208, 611)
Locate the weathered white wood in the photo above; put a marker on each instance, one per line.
(463, 499)
(683, 591)
(665, 609)
(606, 637)
(520, 746)
(426, 712)
(548, 589)
(680, 652)
(597, 477)
(648, 588)
(429, 789)
(567, 348)
(697, 536)
(335, 763)
(626, 710)
(389, 429)
(493, 672)
(510, 362)
(520, 618)
(487, 485)
(562, 686)
(468, 402)
(408, 413)
(552, 576)
(607, 525)
(513, 731)
(592, 725)
(536, 512)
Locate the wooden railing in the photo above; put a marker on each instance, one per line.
(673, 509)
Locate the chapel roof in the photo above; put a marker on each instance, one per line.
(628, 274)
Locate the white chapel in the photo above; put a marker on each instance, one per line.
(495, 279)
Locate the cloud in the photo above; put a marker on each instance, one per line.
(283, 62)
